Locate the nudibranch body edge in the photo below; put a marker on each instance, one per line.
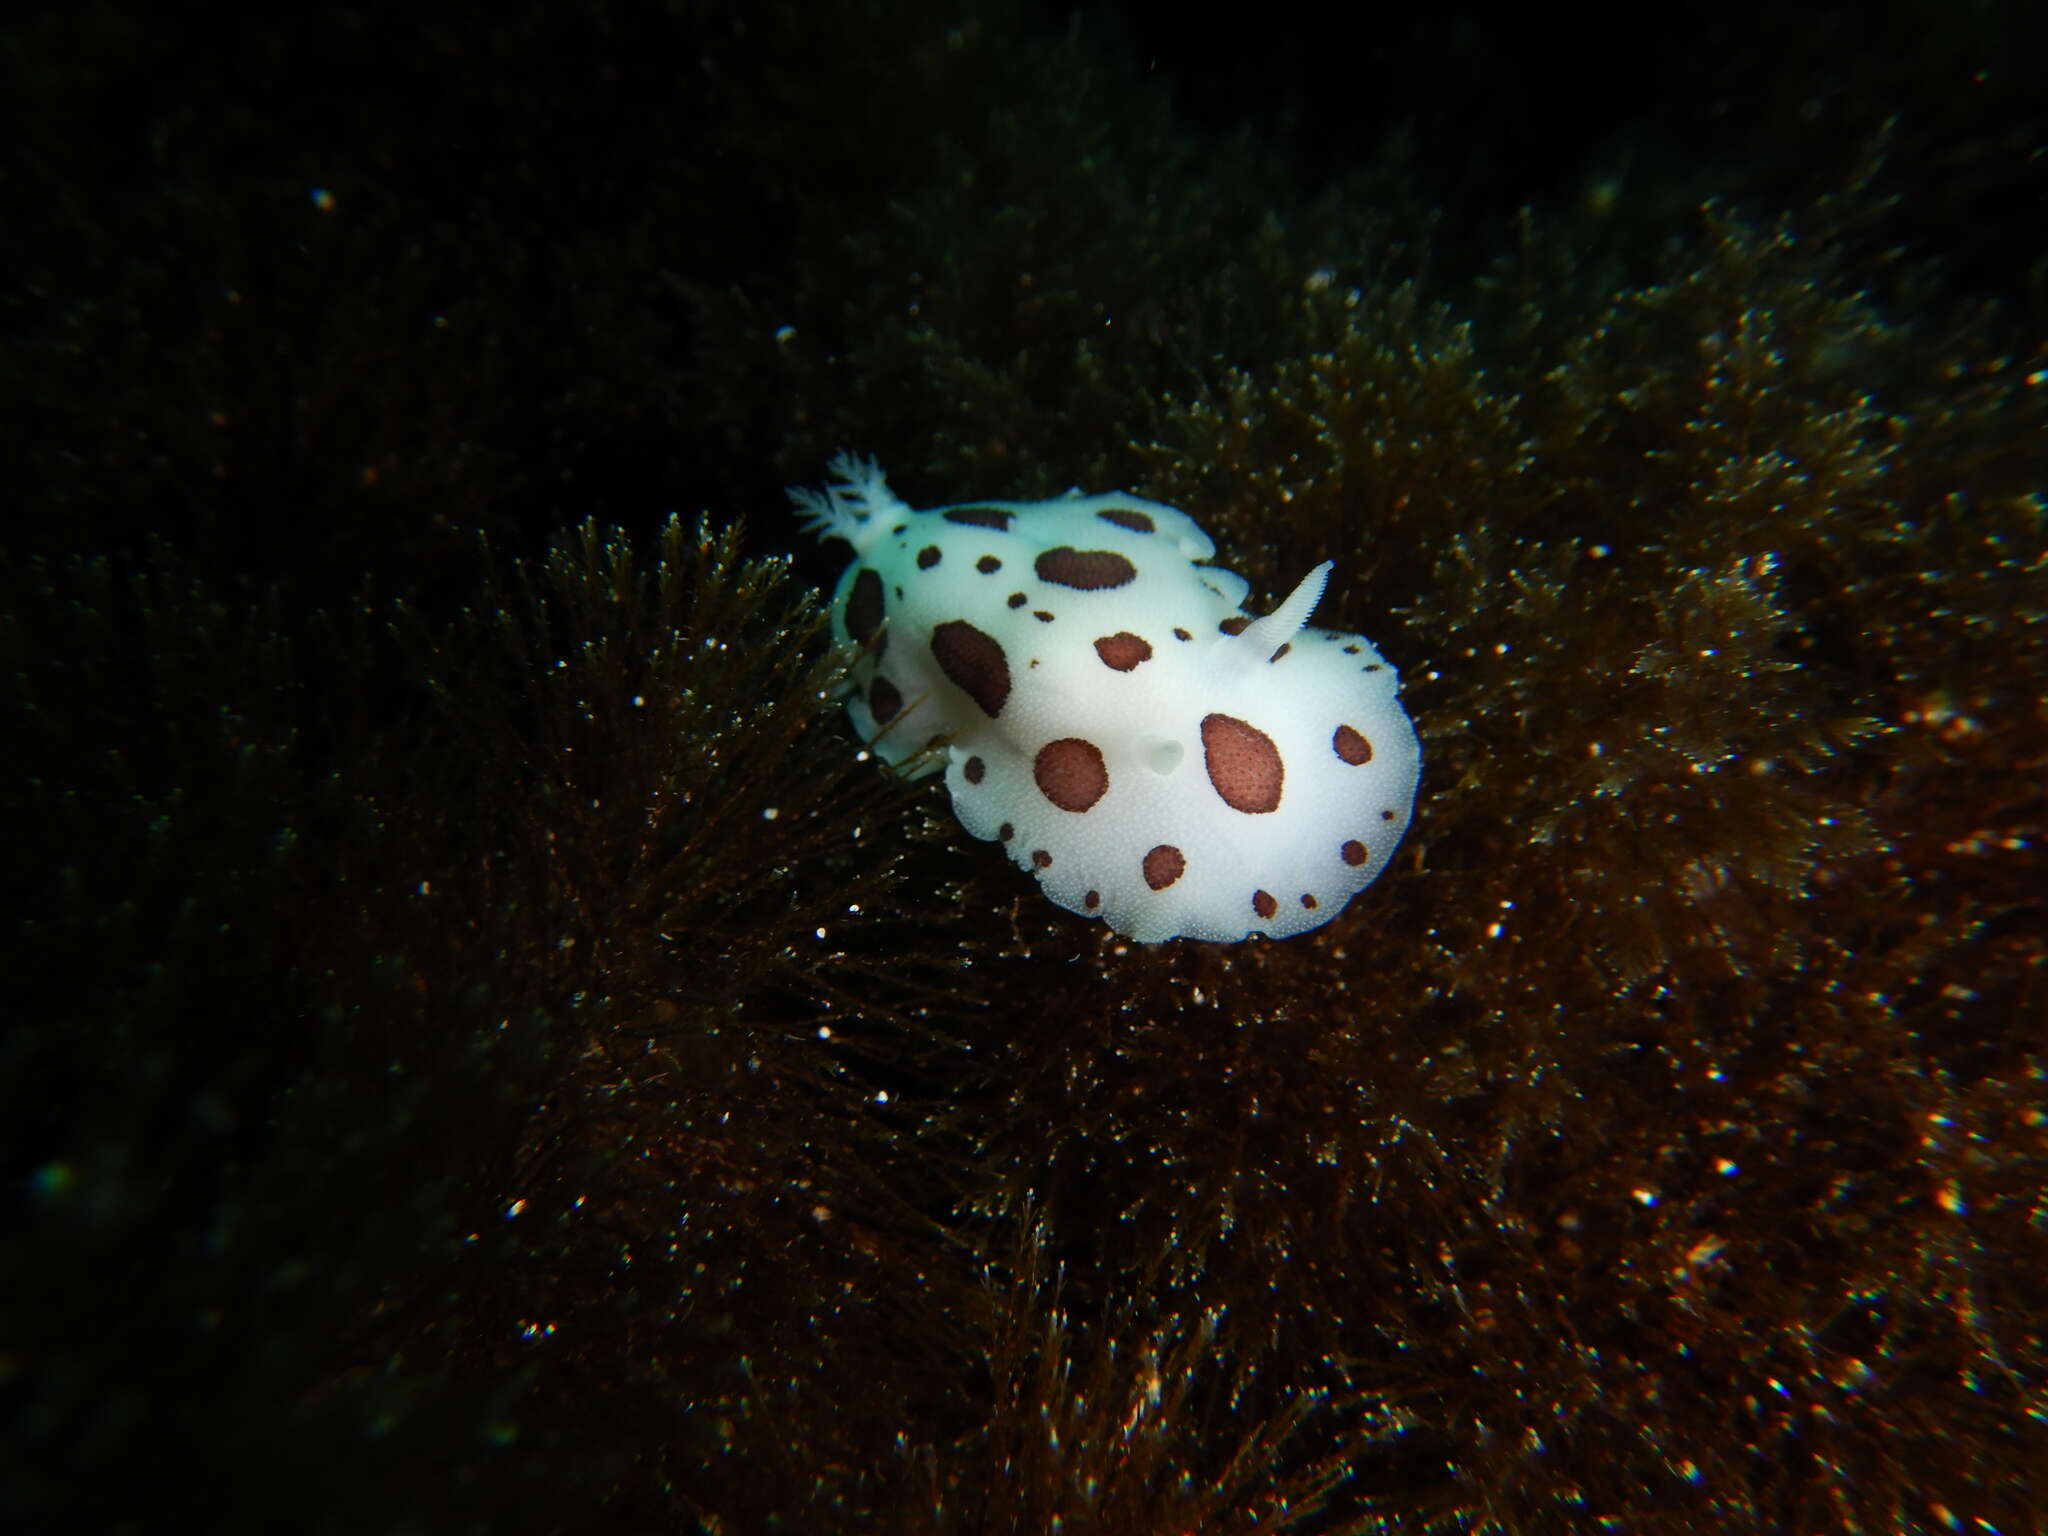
(1105, 708)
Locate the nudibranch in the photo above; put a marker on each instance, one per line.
(1104, 707)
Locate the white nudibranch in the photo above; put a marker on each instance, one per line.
(1109, 713)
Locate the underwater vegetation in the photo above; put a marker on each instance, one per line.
(486, 1049)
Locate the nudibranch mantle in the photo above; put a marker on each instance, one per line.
(1108, 712)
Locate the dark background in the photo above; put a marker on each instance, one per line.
(440, 1097)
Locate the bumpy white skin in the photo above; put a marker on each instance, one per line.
(1210, 787)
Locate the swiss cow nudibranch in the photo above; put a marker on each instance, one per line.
(1109, 713)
